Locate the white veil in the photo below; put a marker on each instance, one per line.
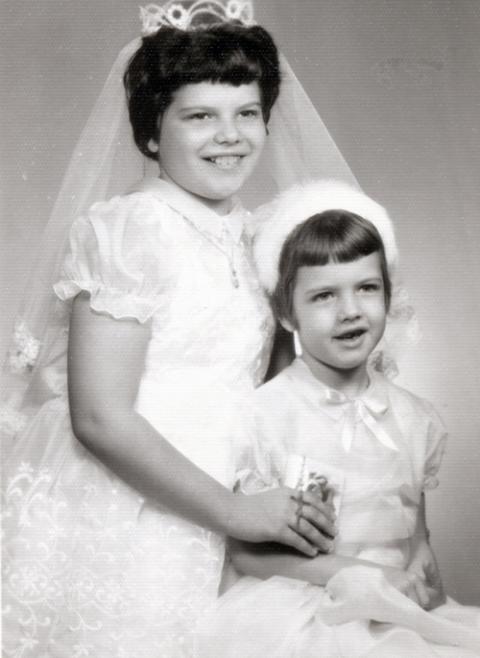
(106, 161)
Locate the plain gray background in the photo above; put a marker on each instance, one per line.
(397, 83)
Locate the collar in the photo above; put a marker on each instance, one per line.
(368, 407)
(204, 218)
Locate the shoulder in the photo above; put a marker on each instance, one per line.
(277, 402)
(407, 403)
(137, 207)
(273, 390)
(127, 223)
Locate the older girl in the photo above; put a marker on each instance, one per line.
(118, 483)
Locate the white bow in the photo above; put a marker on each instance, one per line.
(361, 409)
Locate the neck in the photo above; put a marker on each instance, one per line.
(351, 382)
(219, 206)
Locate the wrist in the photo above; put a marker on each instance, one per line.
(418, 543)
(227, 516)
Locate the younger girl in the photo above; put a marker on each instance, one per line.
(330, 422)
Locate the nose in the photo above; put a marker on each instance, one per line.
(349, 308)
(227, 132)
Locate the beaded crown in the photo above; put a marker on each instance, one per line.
(192, 14)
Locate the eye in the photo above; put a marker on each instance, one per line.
(250, 113)
(371, 287)
(322, 296)
(199, 116)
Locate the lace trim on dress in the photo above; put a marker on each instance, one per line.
(430, 480)
(116, 303)
(401, 310)
(66, 572)
(11, 421)
(383, 363)
(25, 349)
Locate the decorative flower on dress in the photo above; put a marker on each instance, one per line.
(305, 474)
(11, 421)
(384, 364)
(317, 483)
(25, 349)
(401, 310)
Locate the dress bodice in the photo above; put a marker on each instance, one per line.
(160, 255)
(379, 450)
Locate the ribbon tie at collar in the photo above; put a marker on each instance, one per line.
(366, 409)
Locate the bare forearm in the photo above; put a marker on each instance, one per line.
(105, 366)
(138, 454)
(267, 560)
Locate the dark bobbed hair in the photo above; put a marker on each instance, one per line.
(229, 52)
(333, 236)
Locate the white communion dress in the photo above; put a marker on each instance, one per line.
(379, 451)
(90, 569)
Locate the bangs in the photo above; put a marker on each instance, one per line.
(331, 237)
(221, 61)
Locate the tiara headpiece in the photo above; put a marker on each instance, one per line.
(193, 14)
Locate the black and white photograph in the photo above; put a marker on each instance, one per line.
(240, 389)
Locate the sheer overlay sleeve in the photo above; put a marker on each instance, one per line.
(435, 446)
(262, 459)
(119, 254)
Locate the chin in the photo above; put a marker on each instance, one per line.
(224, 192)
(351, 364)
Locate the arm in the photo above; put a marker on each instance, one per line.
(423, 561)
(267, 560)
(105, 363)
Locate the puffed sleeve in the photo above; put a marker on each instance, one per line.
(259, 468)
(119, 253)
(435, 446)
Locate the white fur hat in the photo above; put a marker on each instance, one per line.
(278, 218)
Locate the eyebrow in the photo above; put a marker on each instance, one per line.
(331, 286)
(190, 108)
(371, 279)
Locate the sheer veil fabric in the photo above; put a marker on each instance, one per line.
(105, 162)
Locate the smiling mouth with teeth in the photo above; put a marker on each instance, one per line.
(225, 161)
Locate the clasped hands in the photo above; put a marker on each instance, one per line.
(303, 520)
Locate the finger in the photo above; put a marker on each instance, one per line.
(422, 595)
(417, 571)
(436, 598)
(411, 592)
(417, 591)
(315, 501)
(319, 520)
(309, 532)
(293, 539)
(329, 500)
(297, 495)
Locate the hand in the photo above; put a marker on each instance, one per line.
(279, 516)
(424, 564)
(408, 583)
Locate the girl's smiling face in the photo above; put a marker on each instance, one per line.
(340, 314)
(211, 136)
